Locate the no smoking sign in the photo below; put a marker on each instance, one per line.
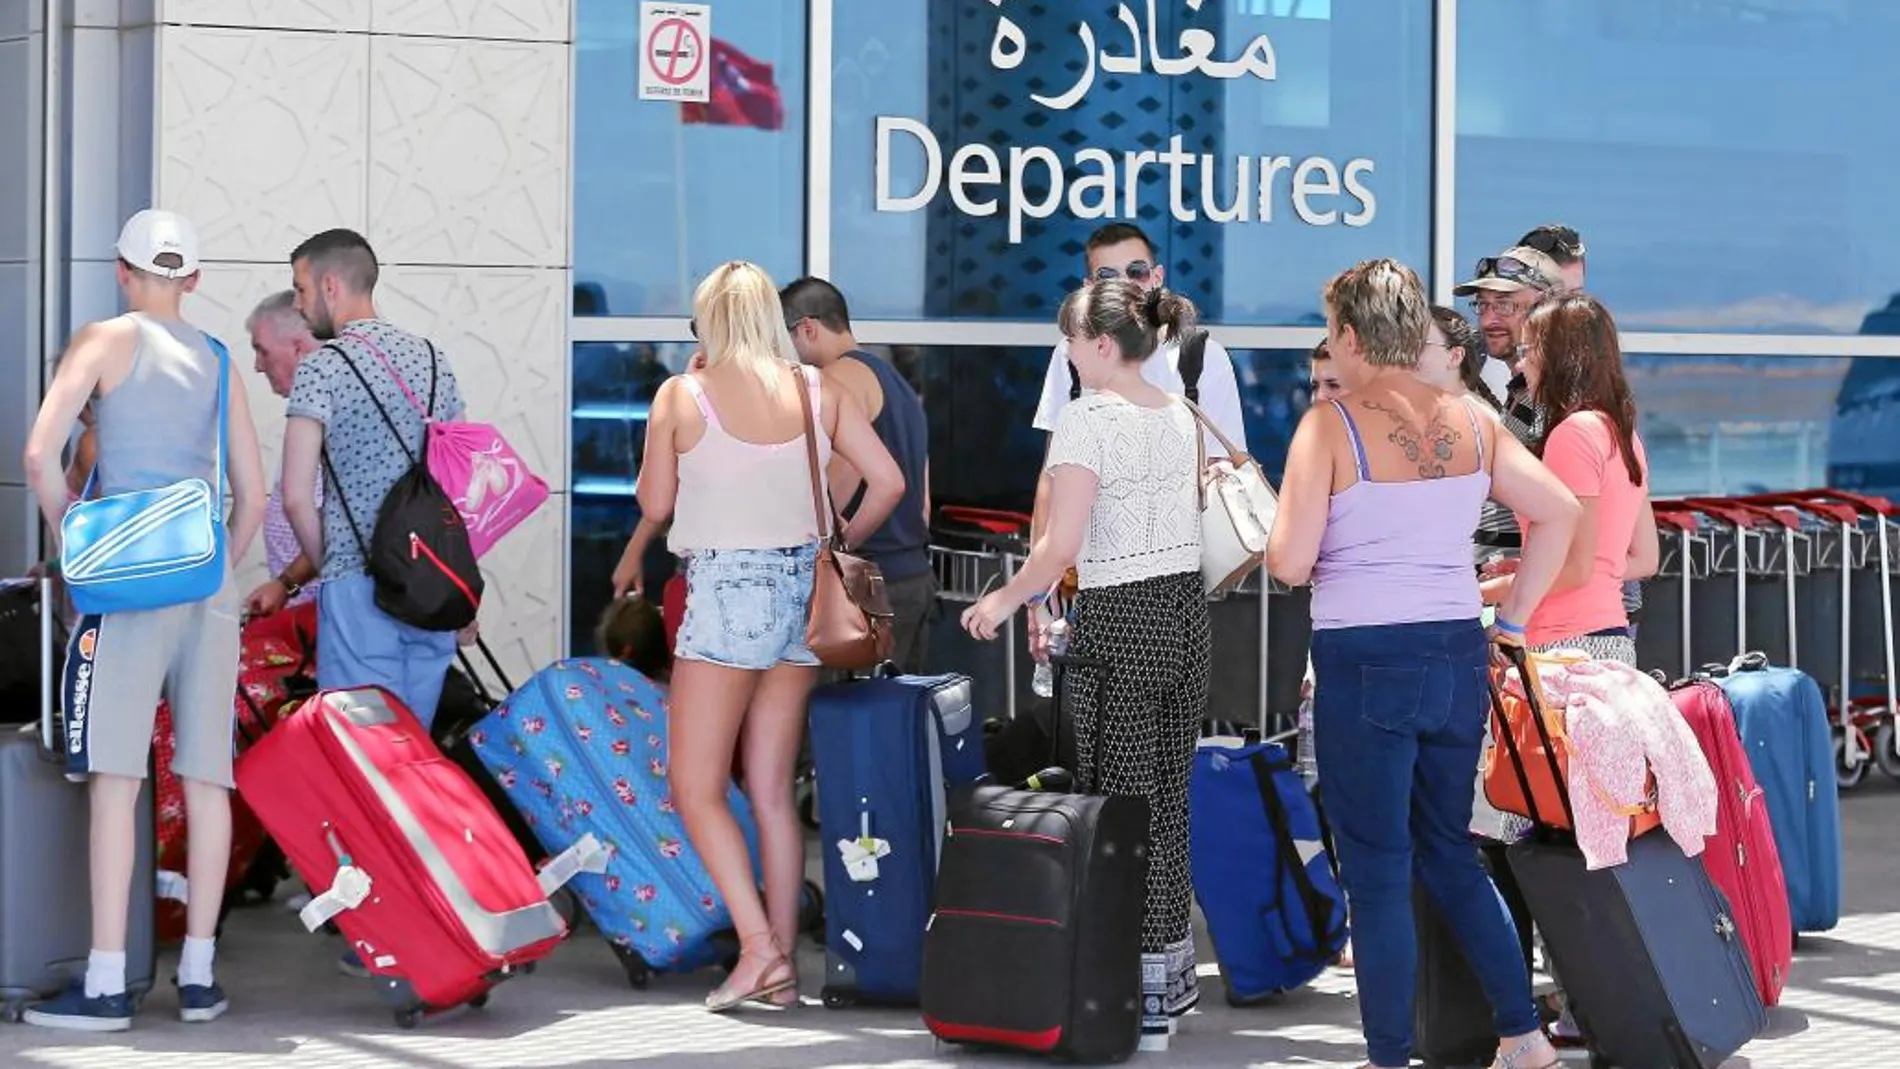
(675, 51)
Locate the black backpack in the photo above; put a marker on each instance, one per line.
(1193, 356)
(419, 554)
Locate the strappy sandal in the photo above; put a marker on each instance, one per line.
(1519, 1060)
(723, 1001)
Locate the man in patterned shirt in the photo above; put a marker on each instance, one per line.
(356, 413)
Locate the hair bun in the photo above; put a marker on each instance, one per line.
(1153, 304)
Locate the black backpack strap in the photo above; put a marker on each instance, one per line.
(1318, 908)
(329, 470)
(1193, 358)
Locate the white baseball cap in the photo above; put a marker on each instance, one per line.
(164, 243)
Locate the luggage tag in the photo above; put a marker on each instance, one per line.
(861, 854)
(586, 855)
(348, 888)
(172, 886)
(347, 891)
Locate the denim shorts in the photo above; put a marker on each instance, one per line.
(746, 608)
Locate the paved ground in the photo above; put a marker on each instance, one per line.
(295, 1012)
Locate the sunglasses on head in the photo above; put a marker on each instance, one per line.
(1512, 269)
(1138, 271)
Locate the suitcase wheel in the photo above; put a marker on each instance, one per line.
(479, 1001)
(409, 1018)
(839, 998)
(12, 1012)
(636, 967)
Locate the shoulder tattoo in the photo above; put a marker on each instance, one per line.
(1431, 448)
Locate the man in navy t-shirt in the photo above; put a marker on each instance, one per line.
(820, 324)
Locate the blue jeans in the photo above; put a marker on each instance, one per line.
(1398, 720)
(360, 645)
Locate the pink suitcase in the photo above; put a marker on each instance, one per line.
(351, 781)
(1741, 858)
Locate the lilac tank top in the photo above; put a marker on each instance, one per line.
(1399, 552)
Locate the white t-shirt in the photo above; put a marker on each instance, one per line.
(1220, 393)
(1147, 517)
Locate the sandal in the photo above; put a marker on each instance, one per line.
(723, 1001)
(1517, 1060)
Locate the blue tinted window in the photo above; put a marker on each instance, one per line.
(1730, 165)
(614, 383)
(1742, 425)
(659, 201)
(1331, 156)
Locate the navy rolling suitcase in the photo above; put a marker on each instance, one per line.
(883, 751)
(1783, 720)
(1265, 880)
(1650, 957)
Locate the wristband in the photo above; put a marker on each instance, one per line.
(1509, 628)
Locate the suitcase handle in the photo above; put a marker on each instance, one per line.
(46, 666)
(1062, 663)
(494, 665)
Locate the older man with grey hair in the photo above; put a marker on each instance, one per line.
(280, 339)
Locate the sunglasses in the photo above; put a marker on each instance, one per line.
(693, 325)
(1137, 271)
(1512, 269)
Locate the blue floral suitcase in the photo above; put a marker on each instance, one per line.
(581, 748)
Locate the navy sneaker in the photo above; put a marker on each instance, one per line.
(198, 1003)
(74, 1011)
(351, 965)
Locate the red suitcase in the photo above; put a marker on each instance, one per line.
(351, 783)
(1741, 857)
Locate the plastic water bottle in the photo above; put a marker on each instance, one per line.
(1307, 761)
(1044, 681)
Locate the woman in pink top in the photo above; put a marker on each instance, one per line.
(727, 462)
(1574, 368)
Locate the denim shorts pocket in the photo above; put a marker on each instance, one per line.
(748, 603)
(1390, 696)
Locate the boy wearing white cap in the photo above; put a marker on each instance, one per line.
(154, 383)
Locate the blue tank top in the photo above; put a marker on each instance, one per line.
(898, 547)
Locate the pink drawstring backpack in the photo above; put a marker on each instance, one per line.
(491, 485)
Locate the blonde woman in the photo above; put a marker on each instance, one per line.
(726, 463)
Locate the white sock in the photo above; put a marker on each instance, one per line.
(105, 973)
(194, 962)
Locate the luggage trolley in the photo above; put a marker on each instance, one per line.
(1845, 618)
(1663, 639)
(973, 551)
(1766, 554)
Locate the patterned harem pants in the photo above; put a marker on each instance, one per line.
(1155, 638)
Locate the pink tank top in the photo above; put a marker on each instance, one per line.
(735, 494)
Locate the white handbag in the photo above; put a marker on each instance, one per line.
(1237, 510)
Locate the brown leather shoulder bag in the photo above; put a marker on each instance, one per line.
(849, 625)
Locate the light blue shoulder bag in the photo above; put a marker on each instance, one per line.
(148, 549)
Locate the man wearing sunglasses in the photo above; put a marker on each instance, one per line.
(1122, 250)
(1564, 246)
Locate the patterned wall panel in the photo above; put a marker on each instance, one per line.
(504, 20)
(468, 156)
(502, 328)
(271, 14)
(262, 139)
(521, 609)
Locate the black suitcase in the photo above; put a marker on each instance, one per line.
(1034, 943)
(465, 700)
(1453, 1023)
(1648, 952)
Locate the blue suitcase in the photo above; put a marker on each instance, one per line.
(1783, 721)
(883, 751)
(581, 748)
(1262, 873)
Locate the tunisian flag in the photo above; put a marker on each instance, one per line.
(742, 93)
